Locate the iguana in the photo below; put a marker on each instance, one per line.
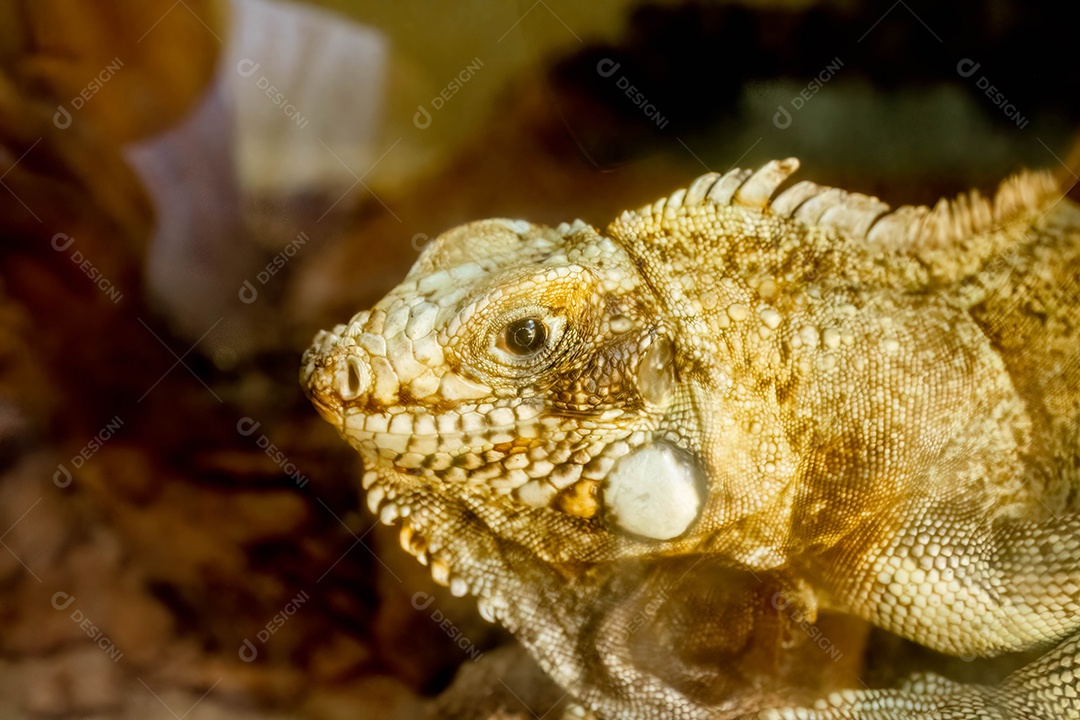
(641, 448)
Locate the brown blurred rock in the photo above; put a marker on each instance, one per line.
(505, 684)
(172, 559)
(378, 697)
(94, 680)
(26, 398)
(339, 658)
(408, 628)
(42, 688)
(114, 63)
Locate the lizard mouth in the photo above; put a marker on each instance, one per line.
(540, 460)
(499, 448)
(414, 437)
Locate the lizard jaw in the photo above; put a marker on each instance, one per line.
(386, 489)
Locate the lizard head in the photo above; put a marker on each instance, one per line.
(526, 362)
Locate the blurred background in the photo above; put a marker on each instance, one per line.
(192, 188)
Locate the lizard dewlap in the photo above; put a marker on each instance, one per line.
(628, 443)
(653, 492)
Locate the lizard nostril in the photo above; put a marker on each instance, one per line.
(355, 380)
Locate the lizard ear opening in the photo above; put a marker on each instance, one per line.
(655, 492)
(656, 372)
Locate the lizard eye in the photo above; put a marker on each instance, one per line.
(523, 337)
(523, 344)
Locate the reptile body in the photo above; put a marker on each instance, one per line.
(673, 455)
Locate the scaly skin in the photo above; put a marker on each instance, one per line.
(654, 452)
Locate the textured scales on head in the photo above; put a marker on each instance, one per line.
(798, 381)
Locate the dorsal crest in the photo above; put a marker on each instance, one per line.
(862, 216)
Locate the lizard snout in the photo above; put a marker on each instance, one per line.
(352, 377)
(335, 375)
(342, 376)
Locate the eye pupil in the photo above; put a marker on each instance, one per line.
(525, 336)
